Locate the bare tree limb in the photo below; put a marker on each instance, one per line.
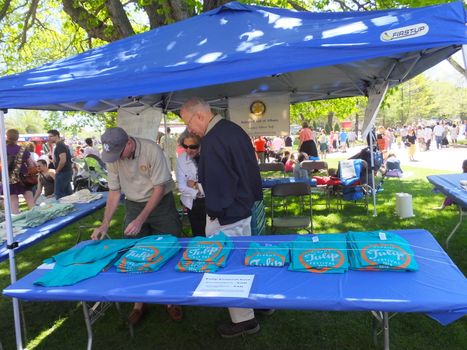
(343, 5)
(70, 43)
(297, 6)
(364, 6)
(28, 22)
(90, 23)
(4, 9)
(19, 7)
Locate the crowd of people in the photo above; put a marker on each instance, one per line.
(317, 144)
(30, 173)
(420, 137)
(42, 169)
(312, 142)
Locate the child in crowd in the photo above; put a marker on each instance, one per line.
(298, 171)
(285, 158)
(393, 166)
(289, 164)
(323, 144)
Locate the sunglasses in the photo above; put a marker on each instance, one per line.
(190, 146)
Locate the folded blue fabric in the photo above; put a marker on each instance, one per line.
(205, 254)
(77, 264)
(149, 254)
(267, 255)
(324, 253)
(380, 251)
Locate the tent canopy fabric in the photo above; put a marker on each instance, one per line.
(238, 50)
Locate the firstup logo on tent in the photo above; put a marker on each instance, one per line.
(402, 33)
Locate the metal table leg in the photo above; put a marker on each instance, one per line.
(381, 326)
(461, 216)
(87, 320)
(386, 330)
(92, 312)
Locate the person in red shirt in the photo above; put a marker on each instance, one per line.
(307, 142)
(260, 148)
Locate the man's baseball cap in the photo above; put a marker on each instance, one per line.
(113, 143)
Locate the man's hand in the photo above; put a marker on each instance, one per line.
(99, 232)
(133, 228)
(191, 183)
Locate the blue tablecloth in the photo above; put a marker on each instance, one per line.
(438, 289)
(449, 185)
(270, 182)
(38, 233)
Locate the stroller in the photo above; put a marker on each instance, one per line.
(92, 175)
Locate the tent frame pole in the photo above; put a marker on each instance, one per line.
(464, 56)
(166, 141)
(372, 171)
(9, 229)
(376, 95)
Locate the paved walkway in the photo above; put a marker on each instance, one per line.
(449, 159)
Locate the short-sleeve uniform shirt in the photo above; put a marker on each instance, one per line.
(137, 176)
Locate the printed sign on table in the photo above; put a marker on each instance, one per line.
(216, 285)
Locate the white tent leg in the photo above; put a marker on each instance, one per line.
(372, 174)
(464, 55)
(376, 95)
(9, 229)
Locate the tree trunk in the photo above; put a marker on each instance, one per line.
(180, 10)
(212, 4)
(155, 19)
(119, 18)
(330, 119)
(356, 123)
(4, 9)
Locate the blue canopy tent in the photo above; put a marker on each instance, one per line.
(238, 50)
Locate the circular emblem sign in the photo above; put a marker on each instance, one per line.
(258, 108)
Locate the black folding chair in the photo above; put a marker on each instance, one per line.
(285, 216)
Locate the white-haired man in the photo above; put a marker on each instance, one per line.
(229, 175)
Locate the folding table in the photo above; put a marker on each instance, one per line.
(438, 288)
(36, 234)
(270, 182)
(449, 185)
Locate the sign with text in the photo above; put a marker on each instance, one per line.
(216, 285)
(261, 115)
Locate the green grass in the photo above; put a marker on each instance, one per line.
(60, 325)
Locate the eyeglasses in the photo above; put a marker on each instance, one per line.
(190, 146)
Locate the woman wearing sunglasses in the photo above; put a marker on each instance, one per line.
(191, 193)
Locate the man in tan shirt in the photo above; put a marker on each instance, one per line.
(137, 168)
